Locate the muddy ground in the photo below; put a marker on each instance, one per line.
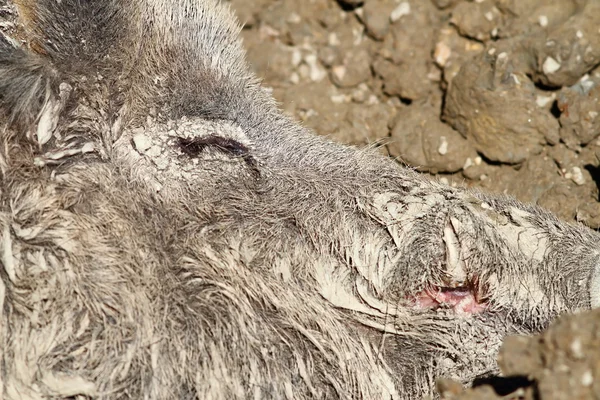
(501, 95)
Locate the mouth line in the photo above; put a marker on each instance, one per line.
(462, 300)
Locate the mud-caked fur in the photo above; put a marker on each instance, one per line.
(275, 264)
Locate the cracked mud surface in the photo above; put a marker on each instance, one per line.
(501, 95)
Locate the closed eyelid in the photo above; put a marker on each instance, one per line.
(193, 147)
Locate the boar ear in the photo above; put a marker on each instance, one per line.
(28, 92)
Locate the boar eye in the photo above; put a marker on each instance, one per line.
(193, 147)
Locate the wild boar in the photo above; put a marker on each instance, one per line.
(167, 232)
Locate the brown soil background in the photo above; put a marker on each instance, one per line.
(501, 95)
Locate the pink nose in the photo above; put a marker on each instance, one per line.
(461, 300)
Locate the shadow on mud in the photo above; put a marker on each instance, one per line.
(503, 386)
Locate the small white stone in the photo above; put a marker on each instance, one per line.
(550, 65)
(333, 39)
(359, 95)
(141, 142)
(400, 11)
(478, 160)
(543, 21)
(358, 34)
(579, 34)
(442, 53)
(269, 31)
(434, 75)
(444, 181)
(339, 71)
(587, 379)
(296, 57)
(443, 149)
(468, 163)
(576, 175)
(577, 349)
(543, 101)
(294, 18)
(339, 99)
(489, 15)
(316, 72)
(372, 100)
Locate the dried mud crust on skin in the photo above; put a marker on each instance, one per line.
(158, 155)
(494, 94)
(501, 95)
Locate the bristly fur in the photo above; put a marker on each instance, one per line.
(130, 271)
(26, 83)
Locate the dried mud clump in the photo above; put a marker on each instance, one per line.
(495, 107)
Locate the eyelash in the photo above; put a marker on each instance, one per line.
(193, 147)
